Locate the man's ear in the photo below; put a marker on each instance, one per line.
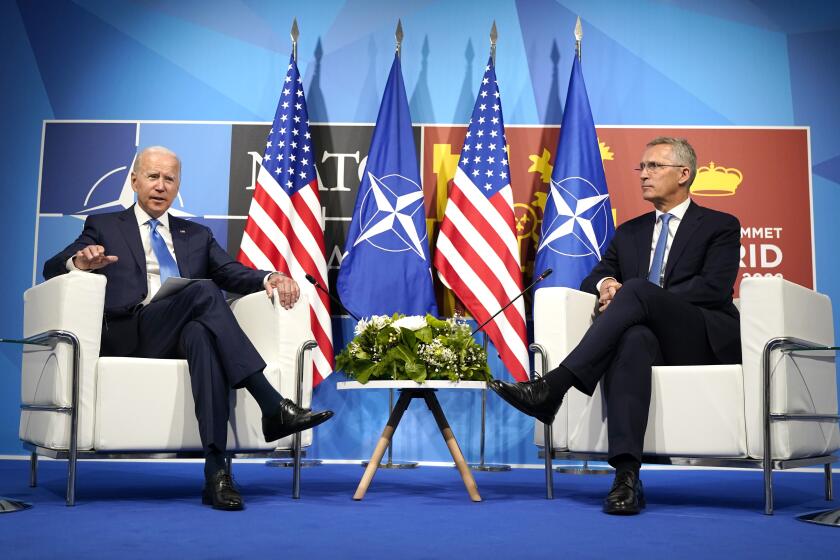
(134, 181)
(685, 175)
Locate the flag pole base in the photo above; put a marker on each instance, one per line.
(489, 467)
(291, 463)
(8, 505)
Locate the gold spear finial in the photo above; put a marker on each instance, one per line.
(399, 35)
(578, 37)
(494, 35)
(295, 33)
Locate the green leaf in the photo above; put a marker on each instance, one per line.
(424, 335)
(436, 323)
(415, 371)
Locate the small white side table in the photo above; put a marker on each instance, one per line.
(410, 390)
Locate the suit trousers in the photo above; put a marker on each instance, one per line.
(643, 326)
(197, 324)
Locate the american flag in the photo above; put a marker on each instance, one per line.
(477, 250)
(285, 230)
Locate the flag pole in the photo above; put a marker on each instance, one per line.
(296, 460)
(390, 463)
(482, 465)
(494, 35)
(585, 467)
(295, 33)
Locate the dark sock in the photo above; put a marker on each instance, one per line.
(625, 463)
(266, 396)
(214, 461)
(559, 380)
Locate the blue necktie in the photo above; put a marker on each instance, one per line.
(168, 267)
(656, 267)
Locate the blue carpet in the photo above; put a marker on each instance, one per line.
(152, 510)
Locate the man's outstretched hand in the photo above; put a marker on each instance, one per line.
(93, 257)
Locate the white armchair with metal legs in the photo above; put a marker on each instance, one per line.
(782, 398)
(77, 405)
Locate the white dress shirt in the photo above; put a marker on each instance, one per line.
(677, 213)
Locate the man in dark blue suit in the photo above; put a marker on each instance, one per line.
(665, 288)
(136, 250)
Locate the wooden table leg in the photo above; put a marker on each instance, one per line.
(382, 444)
(452, 444)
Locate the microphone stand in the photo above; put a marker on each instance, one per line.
(482, 465)
(311, 279)
(546, 273)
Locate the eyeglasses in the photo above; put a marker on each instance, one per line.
(653, 167)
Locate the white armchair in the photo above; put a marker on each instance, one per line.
(722, 415)
(76, 404)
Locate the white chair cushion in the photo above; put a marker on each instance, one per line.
(147, 405)
(694, 411)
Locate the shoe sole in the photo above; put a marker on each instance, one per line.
(515, 404)
(282, 434)
(208, 501)
(626, 511)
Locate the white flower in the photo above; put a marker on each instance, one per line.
(360, 327)
(379, 321)
(412, 322)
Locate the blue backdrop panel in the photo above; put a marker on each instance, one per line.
(684, 62)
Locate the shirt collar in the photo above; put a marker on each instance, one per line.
(143, 217)
(677, 211)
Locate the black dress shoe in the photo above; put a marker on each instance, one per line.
(220, 492)
(289, 418)
(626, 497)
(531, 397)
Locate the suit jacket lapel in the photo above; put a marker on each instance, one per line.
(690, 222)
(181, 244)
(643, 239)
(131, 232)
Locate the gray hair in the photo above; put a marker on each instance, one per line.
(683, 153)
(156, 149)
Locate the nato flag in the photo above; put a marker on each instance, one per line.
(577, 223)
(386, 267)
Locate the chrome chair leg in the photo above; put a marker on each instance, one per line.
(33, 470)
(548, 440)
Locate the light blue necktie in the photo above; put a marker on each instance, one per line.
(168, 267)
(656, 267)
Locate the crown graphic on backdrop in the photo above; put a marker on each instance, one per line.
(712, 180)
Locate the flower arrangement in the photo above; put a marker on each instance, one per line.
(413, 348)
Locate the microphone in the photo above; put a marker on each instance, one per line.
(311, 280)
(546, 273)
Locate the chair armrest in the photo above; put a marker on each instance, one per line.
(800, 383)
(277, 333)
(561, 318)
(71, 302)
